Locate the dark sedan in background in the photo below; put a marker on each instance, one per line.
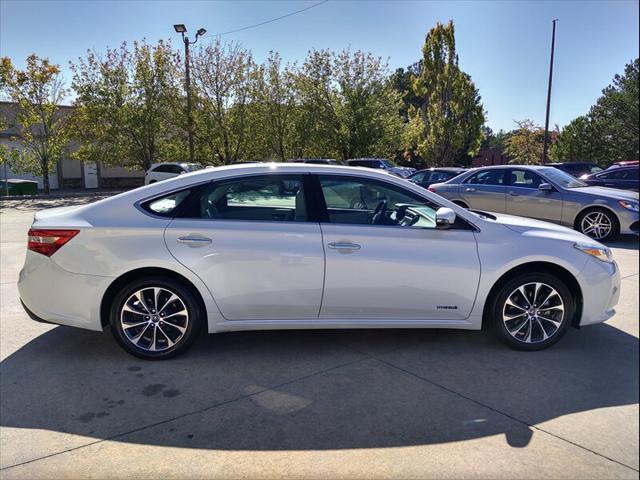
(625, 178)
(545, 193)
(577, 169)
(428, 176)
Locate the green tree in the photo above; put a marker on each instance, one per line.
(525, 144)
(279, 112)
(451, 112)
(226, 84)
(38, 91)
(126, 106)
(610, 131)
(349, 105)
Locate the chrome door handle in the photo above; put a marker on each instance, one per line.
(469, 189)
(194, 241)
(344, 246)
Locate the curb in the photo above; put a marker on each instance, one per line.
(54, 196)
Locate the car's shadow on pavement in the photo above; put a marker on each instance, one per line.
(309, 390)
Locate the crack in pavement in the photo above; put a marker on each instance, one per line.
(500, 412)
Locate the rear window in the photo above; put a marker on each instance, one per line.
(166, 206)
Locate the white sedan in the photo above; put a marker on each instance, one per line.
(282, 246)
(166, 170)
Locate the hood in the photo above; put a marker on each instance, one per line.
(539, 228)
(606, 192)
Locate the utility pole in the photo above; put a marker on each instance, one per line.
(181, 29)
(546, 122)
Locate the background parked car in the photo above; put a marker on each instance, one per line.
(625, 178)
(545, 193)
(162, 171)
(426, 177)
(577, 169)
(383, 164)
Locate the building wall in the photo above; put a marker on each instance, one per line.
(70, 172)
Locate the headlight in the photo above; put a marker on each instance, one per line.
(628, 205)
(601, 253)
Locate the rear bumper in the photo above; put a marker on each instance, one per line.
(600, 283)
(53, 295)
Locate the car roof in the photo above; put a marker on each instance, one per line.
(442, 169)
(496, 167)
(553, 164)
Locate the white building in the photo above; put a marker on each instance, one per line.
(69, 173)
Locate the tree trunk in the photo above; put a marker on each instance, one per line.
(45, 176)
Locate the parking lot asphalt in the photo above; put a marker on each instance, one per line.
(319, 404)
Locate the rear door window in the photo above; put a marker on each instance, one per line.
(278, 198)
(487, 177)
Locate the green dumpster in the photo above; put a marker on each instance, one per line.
(18, 187)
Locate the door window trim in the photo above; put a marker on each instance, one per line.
(323, 212)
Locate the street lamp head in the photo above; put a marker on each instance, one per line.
(180, 28)
(200, 32)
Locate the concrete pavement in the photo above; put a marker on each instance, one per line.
(323, 404)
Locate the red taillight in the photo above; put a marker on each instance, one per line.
(48, 242)
(432, 189)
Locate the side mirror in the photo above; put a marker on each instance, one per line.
(445, 218)
(545, 187)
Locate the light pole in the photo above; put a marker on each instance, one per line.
(181, 29)
(546, 122)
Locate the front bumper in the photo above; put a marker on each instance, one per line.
(51, 294)
(628, 221)
(600, 282)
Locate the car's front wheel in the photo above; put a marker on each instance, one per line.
(532, 311)
(155, 318)
(598, 223)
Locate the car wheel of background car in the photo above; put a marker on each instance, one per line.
(461, 204)
(598, 223)
(152, 181)
(532, 311)
(155, 318)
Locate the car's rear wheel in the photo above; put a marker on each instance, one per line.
(155, 318)
(532, 311)
(598, 223)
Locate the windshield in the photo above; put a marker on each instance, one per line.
(192, 167)
(388, 163)
(562, 178)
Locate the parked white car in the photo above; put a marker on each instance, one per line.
(282, 246)
(166, 170)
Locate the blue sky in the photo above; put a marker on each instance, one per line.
(504, 45)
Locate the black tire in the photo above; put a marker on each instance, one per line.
(461, 204)
(183, 329)
(615, 224)
(499, 310)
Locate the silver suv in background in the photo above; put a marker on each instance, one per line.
(545, 193)
(381, 164)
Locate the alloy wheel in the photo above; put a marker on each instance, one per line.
(596, 225)
(533, 312)
(154, 319)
